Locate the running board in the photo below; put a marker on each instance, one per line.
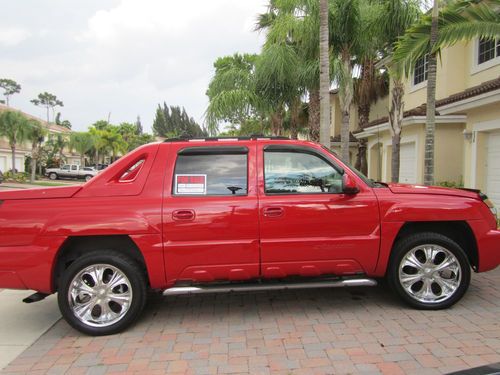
(174, 291)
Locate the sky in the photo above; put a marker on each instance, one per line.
(121, 58)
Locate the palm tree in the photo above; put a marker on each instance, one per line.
(98, 141)
(231, 92)
(394, 18)
(463, 20)
(13, 125)
(295, 23)
(324, 47)
(36, 134)
(82, 142)
(346, 30)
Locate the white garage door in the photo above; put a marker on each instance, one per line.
(408, 163)
(493, 168)
(3, 164)
(20, 164)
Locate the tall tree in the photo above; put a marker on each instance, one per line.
(393, 19)
(296, 23)
(430, 116)
(173, 121)
(324, 47)
(347, 27)
(232, 94)
(10, 88)
(36, 134)
(138, 126)
(48, 101)
(13, 126)
(82, 142)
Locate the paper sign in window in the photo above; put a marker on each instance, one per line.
(191, 184)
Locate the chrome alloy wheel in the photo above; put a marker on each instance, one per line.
(430, 273)
(100, 295)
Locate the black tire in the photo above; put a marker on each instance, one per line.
(88, 177)
(410, 243)
(53, 176)
(127, 266)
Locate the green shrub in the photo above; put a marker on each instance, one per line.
(451, 184)
(20, 177)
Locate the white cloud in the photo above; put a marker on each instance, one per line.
(13, 36)
(125, 56)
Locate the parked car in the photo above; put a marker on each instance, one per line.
(71, 171)
(214, 215)
(1, 177)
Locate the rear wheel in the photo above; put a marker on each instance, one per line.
(53, 176)
(101, 293)
(429, 271)
(88, 177)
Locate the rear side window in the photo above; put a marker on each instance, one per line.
(211, 174)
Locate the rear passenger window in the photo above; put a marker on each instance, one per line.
(211, 174)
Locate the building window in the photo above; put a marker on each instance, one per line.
(421, 67)
(488, 49)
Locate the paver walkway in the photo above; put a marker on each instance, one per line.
(337, 331)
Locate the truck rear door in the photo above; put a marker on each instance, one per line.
(210, 216)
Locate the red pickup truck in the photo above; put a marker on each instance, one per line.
(215, 215)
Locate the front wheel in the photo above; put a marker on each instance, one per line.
(429, 271)
(101, 293)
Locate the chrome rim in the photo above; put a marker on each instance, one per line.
(430, 273)
(100, 295)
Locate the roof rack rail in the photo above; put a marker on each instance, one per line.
(252, 137)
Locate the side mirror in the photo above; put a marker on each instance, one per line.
(349, 185)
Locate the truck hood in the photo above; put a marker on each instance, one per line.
(40, 193)
(434, 190)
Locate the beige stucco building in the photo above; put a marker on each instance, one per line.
(467, 138)
(24, 149)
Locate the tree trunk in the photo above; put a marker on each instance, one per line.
(345, 103)
(294, 118)
(314, 115)
(33, 168)
(430, 123)
(396, 124)
(48, 122)
(361, 162)
(324, 75)
(344, 136)
(96, 157)
(276, 122)
(13, 149)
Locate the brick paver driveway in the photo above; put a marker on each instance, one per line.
(335, 331)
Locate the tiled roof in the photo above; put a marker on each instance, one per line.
(54, 127)
(484, 87)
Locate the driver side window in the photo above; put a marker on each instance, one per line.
(299, 173)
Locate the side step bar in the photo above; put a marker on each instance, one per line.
(174, 291)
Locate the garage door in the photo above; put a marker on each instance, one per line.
(408, 163)
(493, 168)
(3, 164)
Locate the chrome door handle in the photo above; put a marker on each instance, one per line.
(183, 215)
(274, 211)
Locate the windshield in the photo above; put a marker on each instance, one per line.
(366, 180)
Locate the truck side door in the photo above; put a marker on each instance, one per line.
(308, 226)
(210, 216)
